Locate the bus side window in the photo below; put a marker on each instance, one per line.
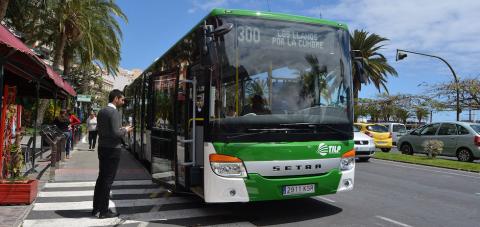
(163, 95)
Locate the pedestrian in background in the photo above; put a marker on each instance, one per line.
(63, 123)
(74, 121)
(110, 137)
(92, 130)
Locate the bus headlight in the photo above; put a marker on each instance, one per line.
(227, 166)
(348, 161)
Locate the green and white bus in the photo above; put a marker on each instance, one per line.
(248, 106)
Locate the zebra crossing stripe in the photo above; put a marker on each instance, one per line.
(76, 222)
(92, 183)
(87, 205)
(126, 219)
(90, 192)
(175, 214)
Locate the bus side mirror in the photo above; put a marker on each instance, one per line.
(223, 29)
(209, 49)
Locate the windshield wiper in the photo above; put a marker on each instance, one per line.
(259, 131)
(317, 124)
(246, 134)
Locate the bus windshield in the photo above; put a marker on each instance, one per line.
(279, 77)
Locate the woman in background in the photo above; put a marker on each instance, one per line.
(92, 131)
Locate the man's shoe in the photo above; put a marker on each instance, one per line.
(108, 214)
(95, 213)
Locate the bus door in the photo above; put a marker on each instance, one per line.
(191, 112)
(163, 127)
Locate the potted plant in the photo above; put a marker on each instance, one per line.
(15, 188)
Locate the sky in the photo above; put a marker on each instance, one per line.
(448, 28)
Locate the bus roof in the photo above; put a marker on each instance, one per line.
(251, 13)
(275, 16)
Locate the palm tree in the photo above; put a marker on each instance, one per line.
(421, 113)
(86, 30)
(83, 32)
(402, 114)
(3, 8)
(376, 66)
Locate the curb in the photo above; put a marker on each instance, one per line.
(24, 215)
(419, 164)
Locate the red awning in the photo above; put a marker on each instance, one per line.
(8, 39)
(59, 81)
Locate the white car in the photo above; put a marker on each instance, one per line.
(397, 130)
(364, 145)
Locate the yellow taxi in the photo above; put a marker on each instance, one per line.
(380, 134)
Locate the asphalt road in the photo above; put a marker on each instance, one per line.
(385, 194)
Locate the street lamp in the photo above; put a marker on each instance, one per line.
(401, 54)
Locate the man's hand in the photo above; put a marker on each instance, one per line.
(128, 129)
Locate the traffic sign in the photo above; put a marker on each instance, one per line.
(84, 98)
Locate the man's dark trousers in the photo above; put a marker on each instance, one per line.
(108, 162)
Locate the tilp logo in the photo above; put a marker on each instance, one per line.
(324, 149)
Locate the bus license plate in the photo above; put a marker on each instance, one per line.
(298, 189)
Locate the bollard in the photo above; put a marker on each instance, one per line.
(53, 161)
(58, 150)
(61, 147)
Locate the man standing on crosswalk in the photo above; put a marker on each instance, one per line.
(110, 135)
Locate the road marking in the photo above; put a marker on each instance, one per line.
(323, 198)
(90, 192)
(127, 219)
(87, 205)
(92, 183)
(393, 221)
(412, 166)
(74, 222)
(156, 208)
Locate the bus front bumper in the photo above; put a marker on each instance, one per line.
(261, 188)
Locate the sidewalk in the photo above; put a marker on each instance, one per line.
(82, 166)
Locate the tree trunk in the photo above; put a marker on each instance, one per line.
(42, 107)
(58, 55)
(3, 8)
(67, 62)
(58, 50)
(355, 96)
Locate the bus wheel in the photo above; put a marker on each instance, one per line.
(386, 149)
(464, 155)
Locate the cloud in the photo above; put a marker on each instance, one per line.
(206, 5)
(446, 28)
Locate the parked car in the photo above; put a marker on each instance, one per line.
(364, 145)
(460, 139)
(381, 137)
(397, 130)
